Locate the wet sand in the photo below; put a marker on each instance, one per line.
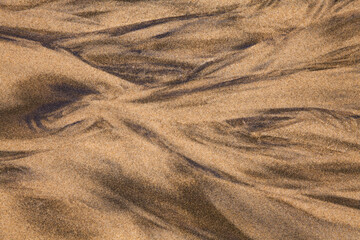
(209, 119)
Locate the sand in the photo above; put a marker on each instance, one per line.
(208, 119)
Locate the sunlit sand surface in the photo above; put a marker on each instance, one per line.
(229, 120)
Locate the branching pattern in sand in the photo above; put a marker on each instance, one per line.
(157, 119)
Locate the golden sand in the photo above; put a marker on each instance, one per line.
(208, 119)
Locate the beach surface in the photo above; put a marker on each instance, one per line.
(176, 120)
